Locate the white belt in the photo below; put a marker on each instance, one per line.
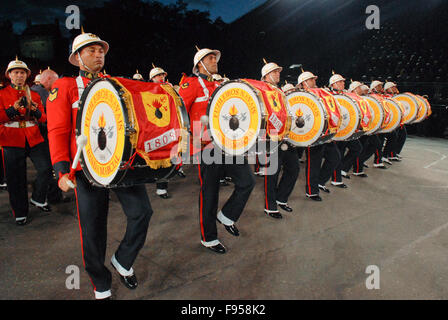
(205, 90)
(19, 124)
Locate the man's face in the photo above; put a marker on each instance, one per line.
(273, 77)
(93, 58)
(210, 62)
(310, 83)
(18, 76)
(339, 85)
(379, 88)
(358, 91)
(159, 78)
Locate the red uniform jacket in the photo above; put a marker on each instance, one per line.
(15, 128)
(61, 113)
(196, 96)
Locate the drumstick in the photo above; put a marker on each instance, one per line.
(81, 141)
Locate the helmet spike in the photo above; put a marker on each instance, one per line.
(197, 48)
(264, 60)
(82, 29)
(153, 65)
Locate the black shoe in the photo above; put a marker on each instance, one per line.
(219, 248)
(233, 230)
(228, 179)
(164, 196)
(275, 215)
(129, 282)
(362, 175)
(345, 176)
(381, 167)
(45, 208)
(223, 183)
(285, 207)
(342, 186)
(365, 166)
(316, 197)
(21, 222)
(181, 174)
(324, 189)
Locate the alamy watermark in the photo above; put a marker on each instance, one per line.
(373, 20)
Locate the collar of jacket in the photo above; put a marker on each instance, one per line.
(17, 87)
(88, 75)
(205, 77)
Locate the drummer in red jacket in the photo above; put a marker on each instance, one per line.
(88, 53)
(20, 112)
(195, 91)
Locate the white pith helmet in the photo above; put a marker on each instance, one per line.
(155, 71)
(201, 54)
(354, 85)
(17, 64)
(335, 78)
(269, 67)
(82, 40)
(389, 85)
(305, 75)
(137, 76)
(374, 84)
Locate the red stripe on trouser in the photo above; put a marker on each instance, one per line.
(377, 156)
(80, 235)
(334, 175)
(201, 202)
(357, 165)
(308, 175)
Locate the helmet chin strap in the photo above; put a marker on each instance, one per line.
(83, 64)
(272, 80)
(205, 68)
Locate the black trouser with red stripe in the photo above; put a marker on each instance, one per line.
(316, 172)
(370, 145)
(93, 206)
(209, 176)
(354, 150)
(288, 162)
(401, 139)
(379, 150)
(391, 144)
(16, 178)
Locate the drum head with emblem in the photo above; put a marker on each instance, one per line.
(350, 115)
(410, 106)
(422, 110)
(235, 117)
(101, 119)
(310, 108)
(395, 116)
(377, 111)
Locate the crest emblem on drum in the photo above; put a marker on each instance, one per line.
(274, 100)
(234, 118)
(157, 108)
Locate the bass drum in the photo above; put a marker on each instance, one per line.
(424, 109)
(410, 105)
(136, 131)
(245, 114)
(317, 128)
(395, 116)
(352, 117)
(378, 116)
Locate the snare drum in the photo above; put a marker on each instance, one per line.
(410, 105)
(320, 114)
(242, 113)
(136, 131)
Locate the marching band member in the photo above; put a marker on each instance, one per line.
(317, 176)
(370, 143)
(337, 85)
(196, 91)
(392, 152)
(20, 111)
(277, 192)
(88, 53)
(158, 75)
(377, 87)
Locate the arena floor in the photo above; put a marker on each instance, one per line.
(396, 219)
